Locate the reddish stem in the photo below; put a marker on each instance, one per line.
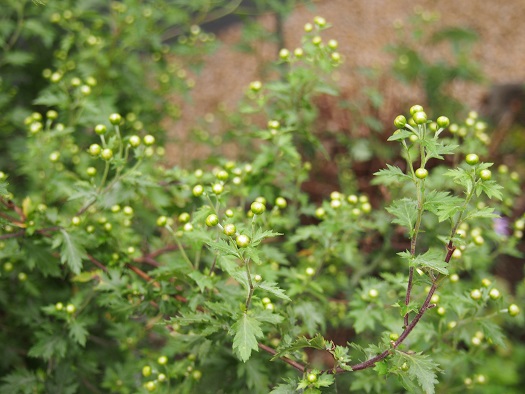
(300, 367)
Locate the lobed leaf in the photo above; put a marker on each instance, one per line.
(246, 331)
(317, 342)
(72, 251)
(423, 369)
(405, 212)
(390, 175)
(272, 288)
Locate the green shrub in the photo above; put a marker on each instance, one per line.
(120, 274)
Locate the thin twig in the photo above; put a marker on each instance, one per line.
(97, 263)
(300, 367)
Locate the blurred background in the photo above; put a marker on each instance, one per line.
(399, 52)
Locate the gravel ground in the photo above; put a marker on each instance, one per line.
(363, 29)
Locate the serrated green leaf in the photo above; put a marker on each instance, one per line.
(272, 288)
(305, 232)
(284, 388)
(268, 317)
(313, 318)
(3, 188)
(246, 331)
(20, 381)
(363, 320)
(223, 247)
(445, 212)
(325, 380)
(72, 252)
(442, 204)
(461, 177)
(405, 212)
(253, 254)
(381, 368)
(400, 134)
(253, 372)
(423, 369)
(260, 235)
(389, 175)
(433, 258)
(50, 99)
(436, 148)
(78, 332)
(342, 357)
(490, 188)
(493, 333)
(317, 342)
(188, 318)
(48, 346)
(203, 281)
(485, 212)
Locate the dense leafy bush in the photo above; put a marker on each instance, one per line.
(122, 274)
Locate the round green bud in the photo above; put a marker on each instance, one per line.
(212, 220)
(115, 119)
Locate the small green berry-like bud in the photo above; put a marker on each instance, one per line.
(514, 310)
(212, 220)
(115, 119)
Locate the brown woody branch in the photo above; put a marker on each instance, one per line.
(300, 367)
(408, 329)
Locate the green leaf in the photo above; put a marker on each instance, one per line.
(306, 232)
(422, 368)
(405, 212)
(284, 388)
(78, 332)
(87, 276)
(188, 318)
(493, 333)
(246, 331)
(461, 177)
(223, 247)
(268, 317)
(50, 99)
(311, 316)
(203, 281)
(317, 342)
(48, 346)
(433, 258)
(364, 319)
(400, 135)
(254, 373)
(260, 235)
(342, 357)
(71, 252)
(20, 381)
(3, 188)
(490, 188)
(18, 58)
(485, 212)
(272, 288)
(442, 204)
(325, 380)
(253, 254)
(436, 149)
(445, 211)
(389, 176)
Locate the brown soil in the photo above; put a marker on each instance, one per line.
(363, 30)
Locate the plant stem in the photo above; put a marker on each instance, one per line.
(420, 191)
(300, 367)
(181, 248)
(250, 283)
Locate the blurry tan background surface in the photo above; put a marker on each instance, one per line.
(363, 29)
